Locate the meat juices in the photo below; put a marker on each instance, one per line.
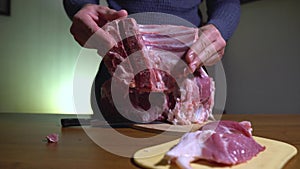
(224, 142)
(148, 62)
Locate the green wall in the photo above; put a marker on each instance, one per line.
(37, 58)
(262, 59)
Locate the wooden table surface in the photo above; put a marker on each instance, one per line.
(23, 145)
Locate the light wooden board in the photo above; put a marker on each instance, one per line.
(275, 156)
(165, 127)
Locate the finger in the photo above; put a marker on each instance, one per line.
(207, 53)
(80, 33)
(195, 64)
(197, 47)
(84, 24)
(211, 32)
(190, 56)
(201, 43)
(212, 60)
(219, 46)
(89, 38)
(102, 41)
(111, 14)
(122, 13)
(201, 59)
(218, 43)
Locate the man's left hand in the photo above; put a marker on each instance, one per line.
(207, 50)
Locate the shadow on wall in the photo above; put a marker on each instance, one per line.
(262, 59)
(247, 1)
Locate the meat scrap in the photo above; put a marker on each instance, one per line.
(149, 75)
(224, 142)
(52, 138)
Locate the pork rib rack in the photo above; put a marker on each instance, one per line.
(149, 76)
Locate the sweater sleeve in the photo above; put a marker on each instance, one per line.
(225, 15)
(73, 6)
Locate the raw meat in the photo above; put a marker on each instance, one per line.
(52, 138)
(224, 142)
(150, 77)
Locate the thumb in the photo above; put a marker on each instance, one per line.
(112, 14)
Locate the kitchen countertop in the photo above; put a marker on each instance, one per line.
(23, 144)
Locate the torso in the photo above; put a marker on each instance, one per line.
(186, 9)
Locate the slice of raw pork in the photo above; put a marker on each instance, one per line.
(224, 142)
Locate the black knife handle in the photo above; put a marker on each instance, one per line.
(74, 122)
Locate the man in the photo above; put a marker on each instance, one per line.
(223, 16)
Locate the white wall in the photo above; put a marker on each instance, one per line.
(262, 61)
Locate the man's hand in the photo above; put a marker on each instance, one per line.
(87, 23)
(208, 49)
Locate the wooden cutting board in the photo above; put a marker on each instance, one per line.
(165, 127)
(275, 156)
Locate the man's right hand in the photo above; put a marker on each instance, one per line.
(87, 23)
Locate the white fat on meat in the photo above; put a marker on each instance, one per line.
(188, 108)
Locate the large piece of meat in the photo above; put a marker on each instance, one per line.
(150, 80)
(224, 142)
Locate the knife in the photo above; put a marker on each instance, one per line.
(69, 122)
